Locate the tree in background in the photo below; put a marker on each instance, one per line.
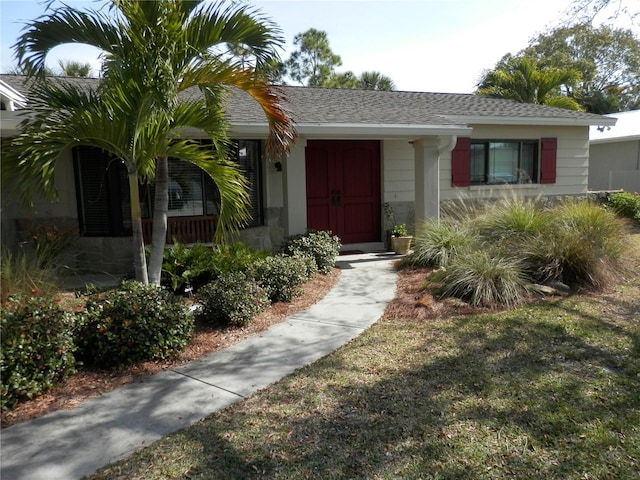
(154, 51)
(71, 68)
(525, 80)
(607, 58)
(375, 81)
(313, 63)
(366, 81)
(586, 11)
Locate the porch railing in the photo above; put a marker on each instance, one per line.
(184, 229)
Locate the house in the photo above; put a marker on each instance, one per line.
(363, 160)
(614, 154)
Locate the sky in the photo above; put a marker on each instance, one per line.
(422, 45)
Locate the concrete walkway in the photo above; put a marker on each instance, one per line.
(68, 444)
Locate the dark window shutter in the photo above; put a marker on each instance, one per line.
(461, 163)
(548, 152)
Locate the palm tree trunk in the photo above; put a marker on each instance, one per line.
(160, 209)
(139, 258)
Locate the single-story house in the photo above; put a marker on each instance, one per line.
(614, 154)
(363, 160)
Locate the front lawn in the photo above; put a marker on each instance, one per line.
(543, 391)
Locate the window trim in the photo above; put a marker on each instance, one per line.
(534, 175)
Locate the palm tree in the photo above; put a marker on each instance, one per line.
(153, 52)
(71, 68)
(521, 79)
(375, 81)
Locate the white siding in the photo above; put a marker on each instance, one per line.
(397, 171)
(615, 165)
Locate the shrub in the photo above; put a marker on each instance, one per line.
(37, 348)
(322, 246)
(192, 267)
(132, 323)
(236, 257)
(281, 277)
(625, 204)
(234, 299)
(49, 240)
(582, 246)
(436, 241)
(20, 275)
(511, 219)
(484, 279)
(187, 267)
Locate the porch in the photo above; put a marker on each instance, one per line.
(198, 229)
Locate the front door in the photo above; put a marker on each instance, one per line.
(343, 188)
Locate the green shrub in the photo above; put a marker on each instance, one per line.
(484, 279)
(282, 277)
(187, 267)
(192, 267)
(132, 323)
(322, 246)
(49, 240)
(625, 204)
(511, 219)
(20, 275)
(236, 257)
(583, 245)
(234, 299)
(436, 241)
(37, 348)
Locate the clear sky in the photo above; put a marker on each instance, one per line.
(423, 45)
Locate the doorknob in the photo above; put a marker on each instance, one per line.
(336, 198)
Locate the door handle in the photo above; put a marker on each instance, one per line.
(336, 198)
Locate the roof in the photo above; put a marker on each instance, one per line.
(346, 110)
(626, 129)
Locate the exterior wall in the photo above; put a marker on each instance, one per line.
(398, 183)
(614, 166)
(572, 163)
(16, 218)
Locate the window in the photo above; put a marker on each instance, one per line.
(103, 190)
(496, 162)
(507, 162)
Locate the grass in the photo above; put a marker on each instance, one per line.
(545, 391)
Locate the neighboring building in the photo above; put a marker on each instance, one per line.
(362, 161)
(614, 154)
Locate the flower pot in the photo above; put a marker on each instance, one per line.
(401, 245)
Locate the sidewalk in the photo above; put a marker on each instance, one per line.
(68, 444)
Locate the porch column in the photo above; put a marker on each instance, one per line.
(295, 189)
(427, 178)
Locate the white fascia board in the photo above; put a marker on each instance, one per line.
(629, 138)
(344, 130)
(564, 122)
(12, 95)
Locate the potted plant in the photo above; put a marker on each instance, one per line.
(400, 241)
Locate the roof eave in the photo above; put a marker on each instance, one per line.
(628, 138)
(351, 130)
(500, 120)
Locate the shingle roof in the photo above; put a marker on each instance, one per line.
(324, 106)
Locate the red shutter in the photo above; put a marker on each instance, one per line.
(461, 163)
(548, 149)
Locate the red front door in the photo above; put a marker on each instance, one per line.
(343, 188)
